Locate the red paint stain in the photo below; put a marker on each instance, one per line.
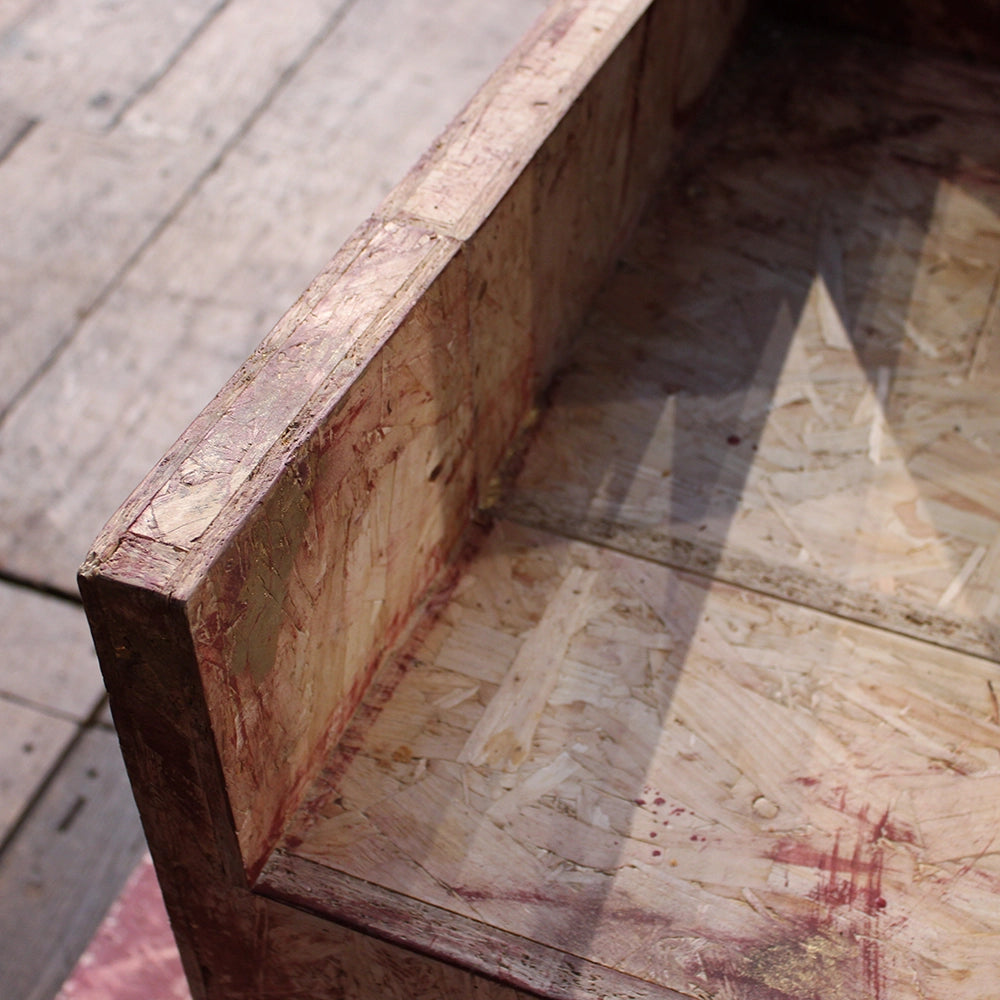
(851, 882)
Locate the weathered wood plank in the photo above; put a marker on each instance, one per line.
(82, 64)
(30, 746)
(725, 794)
(14, 126)
(66, 865)
(349, 125)
(790, 383)
(78, 207)
(14, 12)
(47, 659)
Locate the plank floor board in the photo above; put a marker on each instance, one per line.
(82, 64)
(790, 383)
(73, 853)
(49, 686)
(79, 205)
(47, 659)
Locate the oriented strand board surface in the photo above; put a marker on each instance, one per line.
(305, 514)
(703, 788)
(595, 773)
(791, 381)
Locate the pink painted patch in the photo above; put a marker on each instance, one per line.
(133, 955)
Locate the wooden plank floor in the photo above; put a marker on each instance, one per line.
(720, 715)
(172, 175)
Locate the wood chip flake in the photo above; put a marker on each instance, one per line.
(502, 737)
(876, 434)
(546, 779)
(984, 336)
(956, 586)
(784, 518)
(830, 324)
(919, 341)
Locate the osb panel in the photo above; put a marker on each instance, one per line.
(580, 191)
(539, 257)
(232, 943)
(307, 509)
(595, 172)
(501, 295)
(339, 323)
(703, 788)
(322, 576)
(791, 380)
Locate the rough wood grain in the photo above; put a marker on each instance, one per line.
(540, 255)
(726, 795)
(47, 660)
(790, 382)
(83, 64)
(79, 206)
(30, 746)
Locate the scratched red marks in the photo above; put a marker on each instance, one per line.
(846, 879)
(826, 915)
(850, 901)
